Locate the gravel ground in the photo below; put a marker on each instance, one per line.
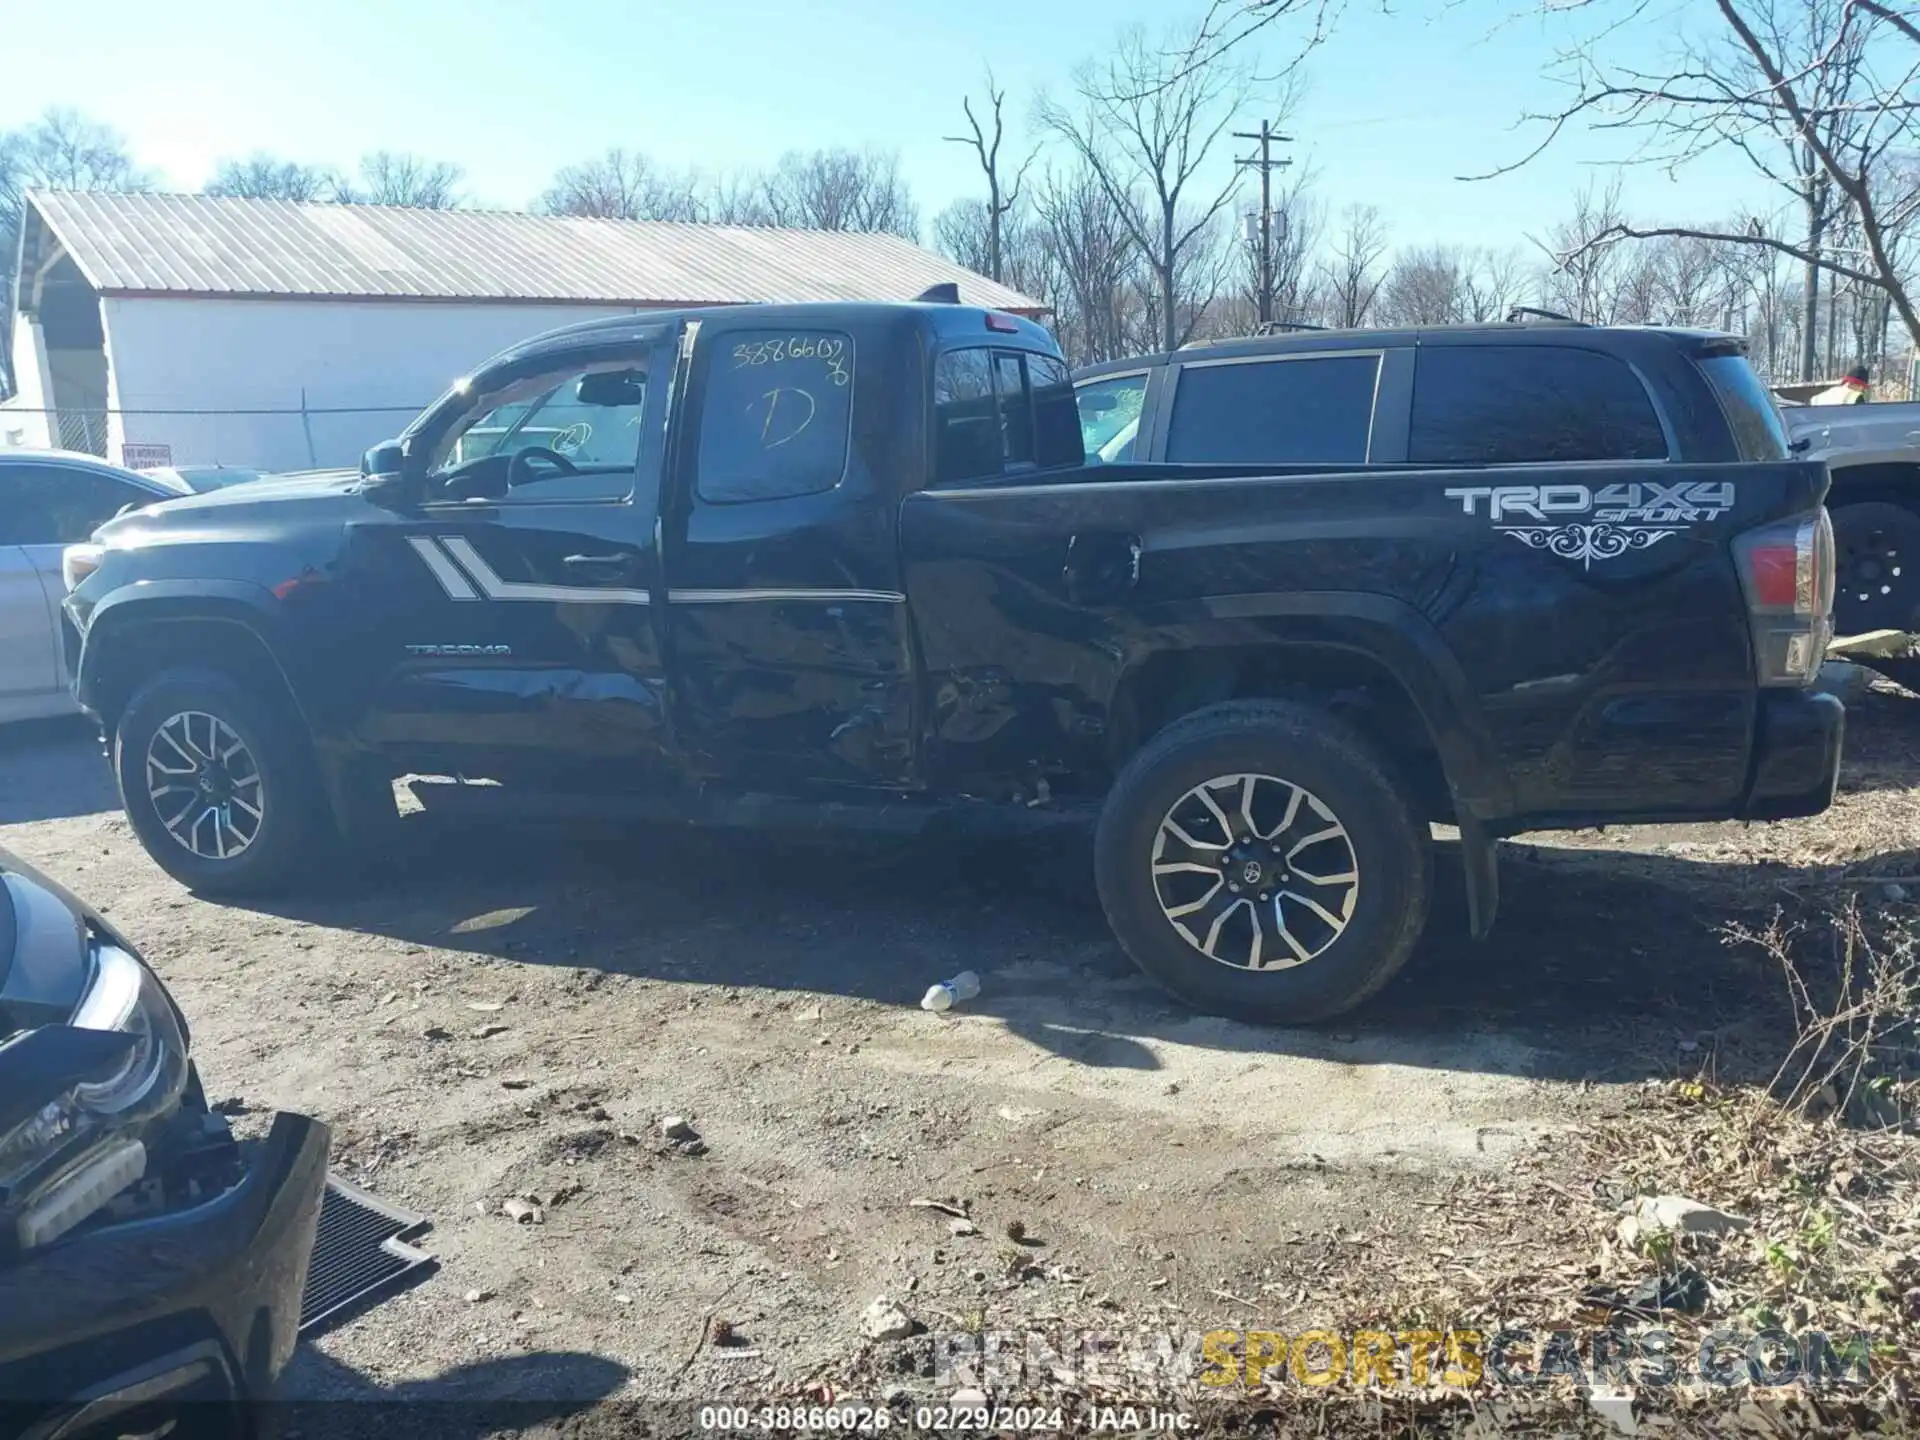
(498, 1015)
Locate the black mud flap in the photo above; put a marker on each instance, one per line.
(360, 1257)
(1481, 861)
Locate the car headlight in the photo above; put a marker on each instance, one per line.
(77, 562)
(73, 1154)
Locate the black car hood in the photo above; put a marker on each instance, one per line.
(257, 507)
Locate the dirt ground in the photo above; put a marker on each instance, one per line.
(503, 1014)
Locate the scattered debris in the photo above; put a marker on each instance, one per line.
(945, 1207)
(524, 1212)
(1685, 1217)
(516, 1082)
(486, 1007)
(721, 1332)
(1616, 1408)
(436, 1032)
(1017, 1231)
(1683, 1292)
(474, 1297)
(675, 1127)
(487, 1032)
(622, 1298)
(962, 1226)
(884, 1320)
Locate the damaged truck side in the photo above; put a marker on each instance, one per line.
(848, 564)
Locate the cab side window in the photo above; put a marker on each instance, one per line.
(568, 435)
(777, 416)
(996, 411)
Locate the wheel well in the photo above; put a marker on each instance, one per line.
(1356, 687)
(131, 652)
(1892, 481)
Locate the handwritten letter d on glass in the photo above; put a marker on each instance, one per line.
(777, 415)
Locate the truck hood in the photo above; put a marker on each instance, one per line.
(1888, 431)
(43, 947)
(258, 506)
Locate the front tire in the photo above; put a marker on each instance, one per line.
(1261, 860)
(217, 781)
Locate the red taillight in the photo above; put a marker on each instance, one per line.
(1776, 575)
(1786, 570)
(1005, 324)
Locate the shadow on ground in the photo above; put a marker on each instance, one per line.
(1605, 965)
(323, 1397)
(53, 770)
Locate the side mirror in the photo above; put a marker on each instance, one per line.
(385, 461)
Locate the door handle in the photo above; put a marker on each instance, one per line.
(1101, 565)
(606, 564)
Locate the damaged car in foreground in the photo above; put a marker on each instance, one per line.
(148, 1260)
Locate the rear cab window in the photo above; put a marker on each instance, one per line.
(1529, 404)
(1299, 410)
(1000, 411)
(1758, 431)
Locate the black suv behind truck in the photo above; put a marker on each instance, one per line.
(849, 564)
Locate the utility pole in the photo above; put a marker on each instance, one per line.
(1266, 165)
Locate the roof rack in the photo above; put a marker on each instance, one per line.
(1520, 314)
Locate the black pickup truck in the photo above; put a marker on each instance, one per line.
(851, 564)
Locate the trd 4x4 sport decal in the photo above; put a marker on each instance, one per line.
(1617, 518)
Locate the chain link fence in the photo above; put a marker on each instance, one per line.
(264, 438)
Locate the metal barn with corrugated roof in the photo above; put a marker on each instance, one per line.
(190, 330)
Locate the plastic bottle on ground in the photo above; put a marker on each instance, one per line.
(949, 993)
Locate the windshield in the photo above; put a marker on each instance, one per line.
(1758, 430)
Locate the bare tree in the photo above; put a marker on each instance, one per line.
(391, 178)
(1492, 285)
(735, 198)
(263, 177)
(841, 190)
(1002, 195)
(62, 150)
(1588, 263)
(1819, 94)
(1352, 273)
(1086, 235)
(1425, 285)
(1144, 125)
(621, 185)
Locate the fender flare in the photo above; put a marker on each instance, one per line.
(1406, 644)
(233, 602)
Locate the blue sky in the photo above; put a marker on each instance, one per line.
(1396, 106)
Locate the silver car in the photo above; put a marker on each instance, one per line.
(50, 499)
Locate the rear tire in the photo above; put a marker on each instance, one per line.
(1333, 871)
(218, 782)
(1877, 567)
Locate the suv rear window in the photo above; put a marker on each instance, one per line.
(1757, 428)
(1529, 404)
(1309, 411)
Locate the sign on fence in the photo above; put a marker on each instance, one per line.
(145, 457)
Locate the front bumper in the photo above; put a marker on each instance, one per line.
(199, 1304)
(1796, 763)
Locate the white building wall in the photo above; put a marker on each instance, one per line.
(23, 415)
(366, 367)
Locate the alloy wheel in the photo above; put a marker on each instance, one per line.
(1255, 872)
(205, 785)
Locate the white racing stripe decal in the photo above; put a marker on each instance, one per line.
(451, 580)
(497, 589)
(494, 588)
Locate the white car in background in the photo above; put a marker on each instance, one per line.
(1873, 454)
(50, 499)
